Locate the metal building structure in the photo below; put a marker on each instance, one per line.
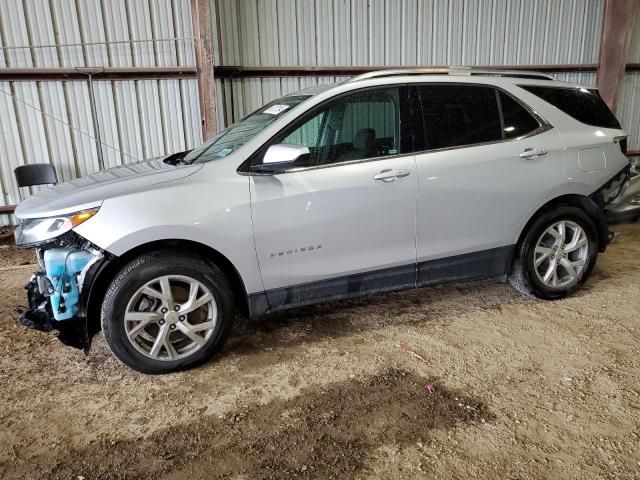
(78, 126)
(628, 108)
(260, 43)
(148, 59)
(360, 33)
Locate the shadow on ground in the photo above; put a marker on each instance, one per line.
(336, 319)
(324, 432)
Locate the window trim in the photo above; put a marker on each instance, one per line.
(542, 122)
(245, 167)
(544, 125)
(592, 90)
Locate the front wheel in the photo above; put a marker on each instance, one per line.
(556, 255)
(167, 311)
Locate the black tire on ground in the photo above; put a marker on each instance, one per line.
(523, 277)
(144, 269)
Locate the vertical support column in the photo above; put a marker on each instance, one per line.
(201, 19)
(618, 19)
(90, 72)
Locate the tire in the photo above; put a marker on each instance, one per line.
(138, 314)
(527, 280)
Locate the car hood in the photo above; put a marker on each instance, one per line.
(90, 191)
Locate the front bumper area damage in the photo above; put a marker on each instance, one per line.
(72, 332)
(57, 295)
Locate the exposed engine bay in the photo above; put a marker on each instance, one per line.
(57, 294)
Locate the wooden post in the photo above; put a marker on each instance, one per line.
(616, 31)
(202, 32)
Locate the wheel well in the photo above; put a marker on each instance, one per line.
(106, 274)
(587, 204)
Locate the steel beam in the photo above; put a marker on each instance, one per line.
(237, 71)
(201, 19)
(616, 30)
(107, 73)
(7, 209)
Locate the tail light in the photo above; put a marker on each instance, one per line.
(622, 142)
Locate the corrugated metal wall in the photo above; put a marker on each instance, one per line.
(52, 122)
(397, 32)
(634, 45)
(628, 111)
(408, 32)
(629, 99)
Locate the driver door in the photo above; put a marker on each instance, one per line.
(343, 224)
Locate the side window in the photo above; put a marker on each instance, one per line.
(458, 115)
(585, 105)
(307, 134)
(354, 127)
(517, 120)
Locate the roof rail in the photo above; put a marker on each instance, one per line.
(513, 74)
(452, 71)
(400, 71)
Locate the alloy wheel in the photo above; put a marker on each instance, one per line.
(170, 317)
(561, 254)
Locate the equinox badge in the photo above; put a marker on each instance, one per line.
(296, 250)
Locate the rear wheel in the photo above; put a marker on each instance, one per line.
(167, 311)
(556, 255)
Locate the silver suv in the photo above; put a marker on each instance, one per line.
(391, 180)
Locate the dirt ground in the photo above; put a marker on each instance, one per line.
(505, 387)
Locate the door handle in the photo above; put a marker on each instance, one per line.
(391, 175)
(533, 153)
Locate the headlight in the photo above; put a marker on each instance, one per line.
(33, 231)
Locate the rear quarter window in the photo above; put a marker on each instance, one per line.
(585, 105)
(517, 121)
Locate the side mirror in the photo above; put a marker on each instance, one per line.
(282, 156)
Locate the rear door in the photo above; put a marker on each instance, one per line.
(344, 223)
(486, 163)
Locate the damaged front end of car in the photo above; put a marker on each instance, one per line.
(58, 294)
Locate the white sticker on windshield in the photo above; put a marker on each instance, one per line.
(276, 109)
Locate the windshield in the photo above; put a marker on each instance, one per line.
(242, 131)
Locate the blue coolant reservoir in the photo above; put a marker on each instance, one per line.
(62, 266)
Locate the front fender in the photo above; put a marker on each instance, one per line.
(216, 214)
(246, 264)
